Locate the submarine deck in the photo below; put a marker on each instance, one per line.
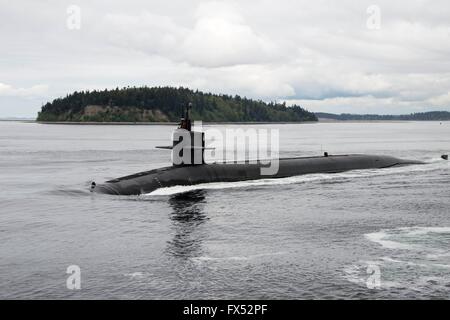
(143, 173)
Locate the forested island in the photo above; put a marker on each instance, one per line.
(164, 104)
(421, 116)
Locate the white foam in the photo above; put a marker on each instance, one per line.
(411, 260)
(357, 274)
(412, 231)
(435, 256)
(352, 274)
(238, 184)
(134, 275)
(440, 265)
(380, 238)
(389, 259)
(410, 263)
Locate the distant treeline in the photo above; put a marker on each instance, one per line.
(137, 104)
(421, 116)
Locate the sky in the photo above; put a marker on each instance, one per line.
(385, 57)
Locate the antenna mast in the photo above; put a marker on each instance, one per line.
(186, 120)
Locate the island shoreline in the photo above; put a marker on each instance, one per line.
(217, 123)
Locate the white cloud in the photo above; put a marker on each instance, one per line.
(319, 53)
(153, 34)
(36, 90)
(364, 104)
(440, 100)
(219, 36)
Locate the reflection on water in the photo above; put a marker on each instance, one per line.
(187, 217)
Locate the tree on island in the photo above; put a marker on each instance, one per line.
(136, 104)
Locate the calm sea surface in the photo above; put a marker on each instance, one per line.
(318, 236)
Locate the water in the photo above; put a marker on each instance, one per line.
(296, 238)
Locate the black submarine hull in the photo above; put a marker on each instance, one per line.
(149, 181)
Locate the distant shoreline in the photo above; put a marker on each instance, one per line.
(421, 116)
(321, 120)
(162, 123)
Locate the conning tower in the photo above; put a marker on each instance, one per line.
(188, 146)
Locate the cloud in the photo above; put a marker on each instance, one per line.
(150, 33)
(320, 54)
(440, 100)
(364, 105)
(34, 91)
(254, 80)
(218, 38)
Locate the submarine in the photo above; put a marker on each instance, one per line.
(189, 167)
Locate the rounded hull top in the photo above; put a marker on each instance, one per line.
(148, 181)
